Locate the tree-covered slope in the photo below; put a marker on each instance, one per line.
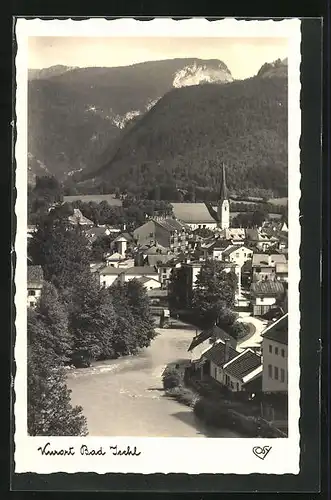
(186, 136)
(74, 114)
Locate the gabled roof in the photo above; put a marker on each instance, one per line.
(108, 270)
(216, 332)
(121, 236)
(146, 279)
(267, 288)
(216, 353)
(35, 274)
(264, 259)
(115, 257)
(171, 224)
(140, 270)
(234, 248)
(278, 331)
(243, 364)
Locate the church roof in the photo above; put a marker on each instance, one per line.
(192, 213)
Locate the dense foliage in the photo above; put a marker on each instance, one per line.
(50, 412)
(84, 321)
(185, 137)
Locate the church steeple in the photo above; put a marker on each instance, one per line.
(223, 206)
(223, 188)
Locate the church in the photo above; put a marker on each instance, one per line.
(205, 215)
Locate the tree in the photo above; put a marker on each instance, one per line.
(171, 378)
(139, 305)
(61, 250)
(258, 217)
(214, 291)
(92, 320)
(51, 312)
(125, 334)
(50, 412)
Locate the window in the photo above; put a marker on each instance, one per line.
(283, 353)
(31, 292)
(227, 379)
(276, 372)
(270, 348)
(261, 299)
(276, 351)
(31, 304)
(270, 371)
(103, 283)
(237, 386)
(282, 375)
(237, 254)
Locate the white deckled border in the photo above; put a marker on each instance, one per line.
(159, 455)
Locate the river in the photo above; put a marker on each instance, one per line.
(124, 397)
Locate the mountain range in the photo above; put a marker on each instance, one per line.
(75, 113)
(159, 122)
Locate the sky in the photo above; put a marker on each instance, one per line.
(243, 56)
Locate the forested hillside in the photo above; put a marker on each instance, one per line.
(74, 114)
(182, 141)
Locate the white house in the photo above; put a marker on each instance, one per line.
(275, 356)
(149, 283)
(264, 295)
(108, 275)
(237, 254)
(34, 285)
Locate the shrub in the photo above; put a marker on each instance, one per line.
(239, 330)
(212, 413)
(171, 378)
(182, 395)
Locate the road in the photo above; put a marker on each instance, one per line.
(124, 397)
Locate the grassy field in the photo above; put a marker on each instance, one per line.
(97, 198)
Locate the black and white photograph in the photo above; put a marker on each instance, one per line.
(158, 238)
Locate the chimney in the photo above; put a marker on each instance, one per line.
(226, 349)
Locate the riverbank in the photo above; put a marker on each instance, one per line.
(125, 397)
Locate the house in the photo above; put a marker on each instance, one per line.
(159, 300)
(275, 356)
(237, 254)
(154, 255)
(149, 283)
(96, 232)
(113, 259)
(109, 274)
(78, 218)
(169, 233)
(204, 215)
(213, 247)
(265, 295)
(264, 265)
(241, 371)
(203, 341)
(35, 279)
(140, 272)
(282, 271)
(213, 359)
(121, 242)
(235, 235)
(235, 371)
(259, 239)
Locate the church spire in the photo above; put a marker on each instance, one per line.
(223, 188)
